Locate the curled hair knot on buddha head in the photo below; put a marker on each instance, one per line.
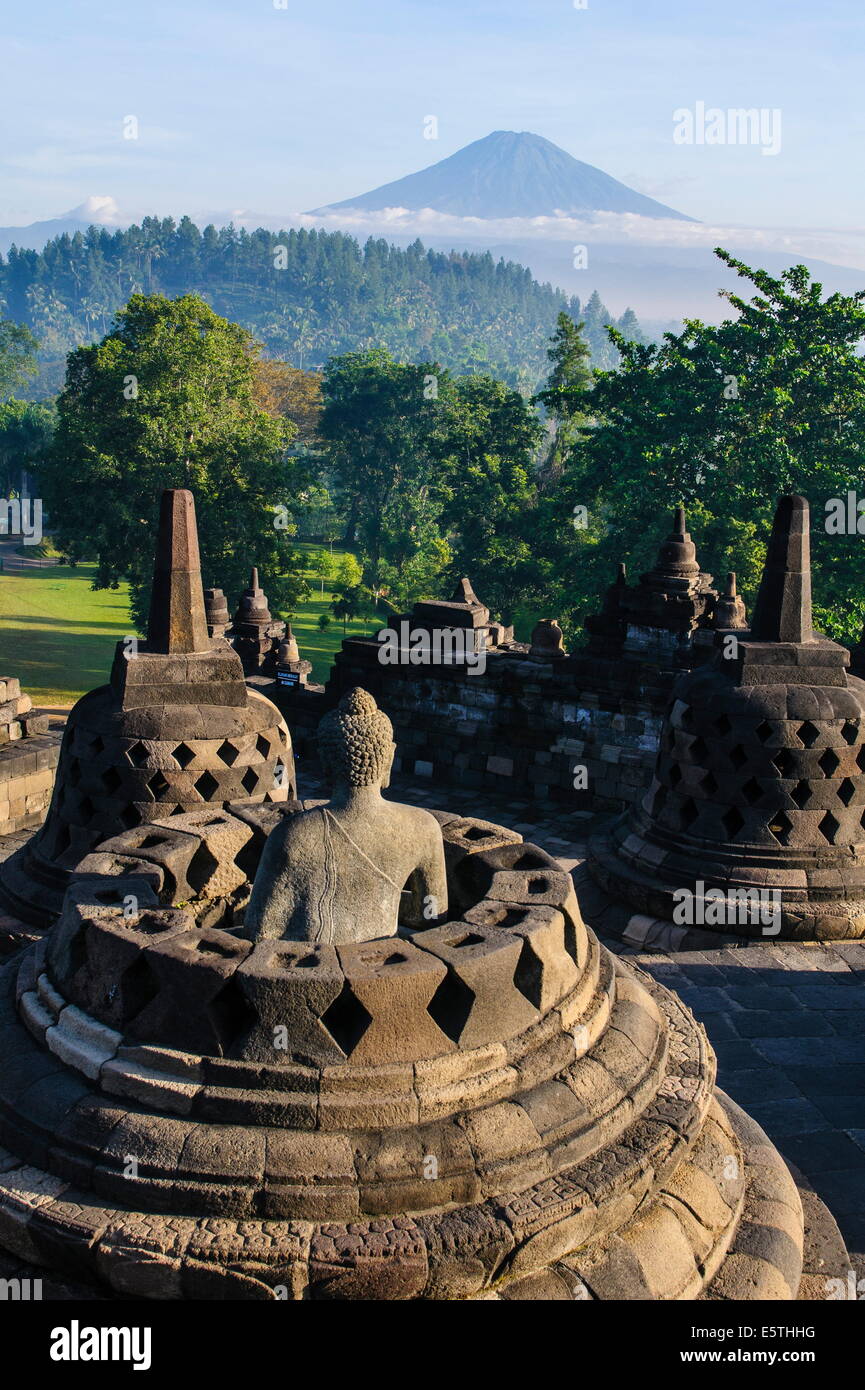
(355, 741)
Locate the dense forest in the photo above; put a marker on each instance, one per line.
(306, 295)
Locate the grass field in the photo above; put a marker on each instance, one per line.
(57, 635)
(320, 647)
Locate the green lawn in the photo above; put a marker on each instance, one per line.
(319, 647)
(57, 635)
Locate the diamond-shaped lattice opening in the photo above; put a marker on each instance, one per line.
(206, 785)
(723, 725)
(709, 784)
(529, 975)
(111, 779)
(689, 814)
(785, 762)
(808, 733)
(660, 801)
(159, 786)
(201, 868)
(764, 731)
(860, 759)
(800, 794)
(451, 1005)
(347, 1020)
(752, 791)
(86, 809)
(139, 986)
(262, 746)
(699, 751)
(781, 827)
(183, 755)
(732, 821)
(249, 781)
(62, 841)
(675, 775)
(829, 827)
(137, 754)
(232, 1015)
(850, 731)
(228, 753)
(130, 816)
(738, 757)
(76, 951)
(829, 762)
(74, 774)
(687, 718)
(847, 791)
(96, 746)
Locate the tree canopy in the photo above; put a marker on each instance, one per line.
(724, 419)
(168, 399)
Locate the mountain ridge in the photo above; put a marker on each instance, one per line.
(509, 174)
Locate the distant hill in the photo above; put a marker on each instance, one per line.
(509, 174)
(307, 295)
(102, 211)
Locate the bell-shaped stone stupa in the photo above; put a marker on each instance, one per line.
(174, 731)
(756, 812)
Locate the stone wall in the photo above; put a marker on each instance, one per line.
(523, 725)
(27, 770)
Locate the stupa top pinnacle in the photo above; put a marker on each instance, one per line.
(177, 620)
(677, 557)
(782, 612)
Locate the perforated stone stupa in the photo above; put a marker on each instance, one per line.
(759, 785)
(175, 730)
(660, 615)
(490, 1107)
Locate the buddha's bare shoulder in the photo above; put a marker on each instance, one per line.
(415, 815)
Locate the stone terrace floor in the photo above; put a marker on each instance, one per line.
(786, 1020)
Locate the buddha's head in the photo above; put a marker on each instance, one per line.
(355, 742)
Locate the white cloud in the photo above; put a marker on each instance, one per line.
(846, 248)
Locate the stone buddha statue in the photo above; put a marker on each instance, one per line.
(359, 866)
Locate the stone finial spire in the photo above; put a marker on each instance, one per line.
(677, 557)
(729, 608)
(253, 606)
(782, 612)
(177, 620)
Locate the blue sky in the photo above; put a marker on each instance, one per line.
(243, 105)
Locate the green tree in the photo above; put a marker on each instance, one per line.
(377, 424)
(487, 441)
(25, 434)
(320, 566)
(17, 357)
(167, 399)
(349, 573)
(565, 396)
(724, 419)
(346, 605)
